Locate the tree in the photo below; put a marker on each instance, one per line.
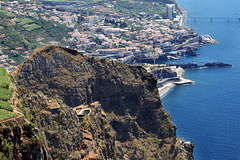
(6, 149)
(99, 30)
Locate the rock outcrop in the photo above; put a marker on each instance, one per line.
(162, 73)
(187, 52)
(208, 40)
(127, 122)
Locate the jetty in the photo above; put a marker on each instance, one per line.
(215, 18)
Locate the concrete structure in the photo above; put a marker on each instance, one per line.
(113, 30)
(82, 110)
(92, 19)
(170, 10)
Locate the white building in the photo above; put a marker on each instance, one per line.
(170, 9)
(2, 57)
(92, 19)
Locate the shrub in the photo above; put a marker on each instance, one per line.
(6, 132)
(6, 149)
(23, 109)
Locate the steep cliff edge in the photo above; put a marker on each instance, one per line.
(128, 122)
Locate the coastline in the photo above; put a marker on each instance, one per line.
(163, 91)
(213, 84)
(167, 85)
(183, 18)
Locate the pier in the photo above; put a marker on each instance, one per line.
(214, 18)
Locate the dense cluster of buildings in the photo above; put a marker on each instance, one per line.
(142, 38)
(151, 41)
(9, 64)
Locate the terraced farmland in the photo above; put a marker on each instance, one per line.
(6, 109)
(16, 31)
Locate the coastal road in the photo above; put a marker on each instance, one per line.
(183, 18)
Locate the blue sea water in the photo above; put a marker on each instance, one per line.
(208, 112)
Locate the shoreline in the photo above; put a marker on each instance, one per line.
(183, 18)
(163, 91)
(166, 85)
(169, 86)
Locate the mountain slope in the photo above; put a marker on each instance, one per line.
(134, 126)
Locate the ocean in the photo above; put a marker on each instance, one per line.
(208, 112)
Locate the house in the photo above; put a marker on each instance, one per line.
(3, 57)
(92, 19)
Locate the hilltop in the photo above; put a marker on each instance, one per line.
(84, 107)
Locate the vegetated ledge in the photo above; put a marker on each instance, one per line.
(134, 125)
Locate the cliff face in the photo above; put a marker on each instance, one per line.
(129, 113)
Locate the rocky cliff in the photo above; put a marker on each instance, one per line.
(59, 86)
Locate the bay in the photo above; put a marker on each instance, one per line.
(208, 112)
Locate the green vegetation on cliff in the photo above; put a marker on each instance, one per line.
(6, 105)
(6, 109)
(17, 141)
(17, 136)
(4, 80)
(4, 114)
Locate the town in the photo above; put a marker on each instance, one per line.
(101, 32)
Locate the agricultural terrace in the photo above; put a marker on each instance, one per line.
(6, 109)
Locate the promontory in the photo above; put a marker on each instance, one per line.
(79, 107)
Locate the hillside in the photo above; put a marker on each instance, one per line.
(16, 134)
(22, 33)
(127, 7)
(84, 107)
(6, 109)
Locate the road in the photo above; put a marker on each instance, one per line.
(183, 18)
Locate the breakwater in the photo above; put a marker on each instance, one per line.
(206, 65)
